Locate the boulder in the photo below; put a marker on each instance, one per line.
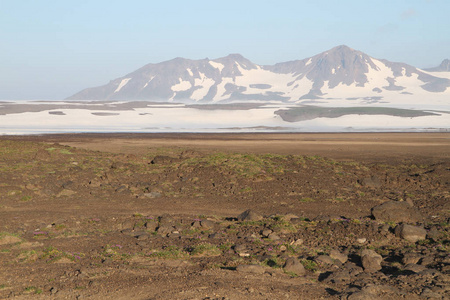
(295, 266)
(410, 233)
(371, 261)
(336, 255)
(396, 211)
(371, 182)
(249, 215)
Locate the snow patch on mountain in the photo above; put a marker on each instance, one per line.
(181, 86)
(122, 84)
(217, 65)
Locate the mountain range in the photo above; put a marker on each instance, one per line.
(339, 73)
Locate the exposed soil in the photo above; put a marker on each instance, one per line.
(155, 216)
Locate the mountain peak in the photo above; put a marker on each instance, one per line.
(443, 67)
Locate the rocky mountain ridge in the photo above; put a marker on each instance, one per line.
(341, 73)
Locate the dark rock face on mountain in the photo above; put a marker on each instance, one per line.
(443, 67)
(340, 72)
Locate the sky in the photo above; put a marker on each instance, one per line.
(51, 49)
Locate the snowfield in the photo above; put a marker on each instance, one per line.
(111, 117)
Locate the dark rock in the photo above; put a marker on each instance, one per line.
(410, 258)
(274, 237)
(395, 211)
(429, 294)
(151, 225)
(371, 261)
(414, 268)
(427, 260)
(249, 215)
(336, 255)
(435, 234)
(266, 232)
(166, 220)
(240, 248)
(295, 266)
(371, 182)
(324, 259)
(207, 224)
(410, 233)
(339, 277)
(164, 229)
(142, 237)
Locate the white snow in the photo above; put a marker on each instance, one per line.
(333, 71)
(170, 118)
(151, 78)
(308, 62)
(277, 81)
(122, 84)
(217, 65)
(190, 72)
(438, 74)
(181, 86)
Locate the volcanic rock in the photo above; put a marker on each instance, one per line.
(396, 211)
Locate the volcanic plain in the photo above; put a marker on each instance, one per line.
(225, 216)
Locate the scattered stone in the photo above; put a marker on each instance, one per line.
(295, 266)
(240, 248)
(252, 269)
(164, 229)
(266, 232)
(371, 261)
(434, 234)
(142, 237)
(297, 242)
(283, 248)
(335, 254)
(324, 259)
(151, 225)
(396, 211)
(371, 182)
(429, 294)
(338, 277)
(274, 237)
(207, 224)
(410, 258)
(249, 215)
(410, 233)
(361, 240)
(427, 260)
(415, 268)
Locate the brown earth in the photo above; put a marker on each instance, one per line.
(153, 216)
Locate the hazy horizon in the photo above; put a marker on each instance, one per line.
(53, 49)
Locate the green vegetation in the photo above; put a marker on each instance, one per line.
(204, 249)
(171, 252)
(309, 265)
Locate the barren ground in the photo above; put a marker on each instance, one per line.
(153, 216)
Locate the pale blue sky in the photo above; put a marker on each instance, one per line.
(51, 49)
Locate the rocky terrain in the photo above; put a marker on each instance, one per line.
(190, 223)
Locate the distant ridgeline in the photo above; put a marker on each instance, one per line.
(339, 73)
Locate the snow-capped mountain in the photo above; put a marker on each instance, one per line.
(339, 73)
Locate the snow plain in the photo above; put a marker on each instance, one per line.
(111, 117)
